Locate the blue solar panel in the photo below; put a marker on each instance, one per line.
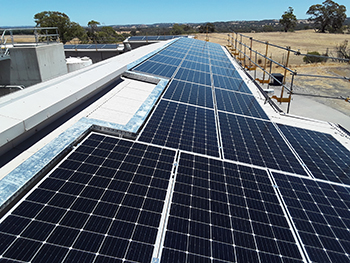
(258, 142)
(321, 214)
(228, 72)
(171, 53)
(189, 93)
(166, 60)
(183, 127)
(230, 83)
(222, 63)
(156, 68)
(193, 76)
(203, 60)
(223, 212)
(195, 66)
(239, 103)
(326, 158)
(92, 207)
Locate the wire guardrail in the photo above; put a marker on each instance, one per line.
(244, 54)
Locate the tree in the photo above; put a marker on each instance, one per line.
(177, 29)
(328, 16)
(93, 25)
(288, 20)
(208, 27)
(342, 50)
(67, 30)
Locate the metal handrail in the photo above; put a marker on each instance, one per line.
(3, 40)
(237, 47)
(296, 52)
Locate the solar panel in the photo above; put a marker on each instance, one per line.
(223, 212)
(171, 53)
(326, 158)
(156, 68)
(193, 76)
(195, 66)
(204, 60)
(255, 141)
(229, 83)
(166, 60)
(229, 72)
(182, 126)
(239, 103)
(222, 63)
(93, 207)
(321, 214)
(189, 93)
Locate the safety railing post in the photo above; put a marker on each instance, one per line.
(267, 48)
(290, 92)
(285, 73)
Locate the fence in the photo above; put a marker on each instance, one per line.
(251, 59)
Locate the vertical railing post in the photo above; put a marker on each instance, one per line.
(250, 54)
(12, 40)
(290, 92)
(267, 48)
(285, 73)
(236, 42)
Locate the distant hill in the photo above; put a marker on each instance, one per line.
(267, 25)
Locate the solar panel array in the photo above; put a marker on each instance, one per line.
(210, 178)
(153, 38)
(91, 46)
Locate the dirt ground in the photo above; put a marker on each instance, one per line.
(303, 41)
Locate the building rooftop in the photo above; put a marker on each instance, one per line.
(169, 153)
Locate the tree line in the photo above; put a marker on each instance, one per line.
(326, 17)
(69, 30)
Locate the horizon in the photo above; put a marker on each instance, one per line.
(121, 25)
(181, 12)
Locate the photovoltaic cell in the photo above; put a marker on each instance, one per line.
(189, 93)
(239, 103)
(222, 212)
(184, 127)
(256, 142)
(88, 210)
(321, 214)
(326, 158)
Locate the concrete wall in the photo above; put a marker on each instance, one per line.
(31, 64)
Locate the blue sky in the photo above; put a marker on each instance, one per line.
(112, 12)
